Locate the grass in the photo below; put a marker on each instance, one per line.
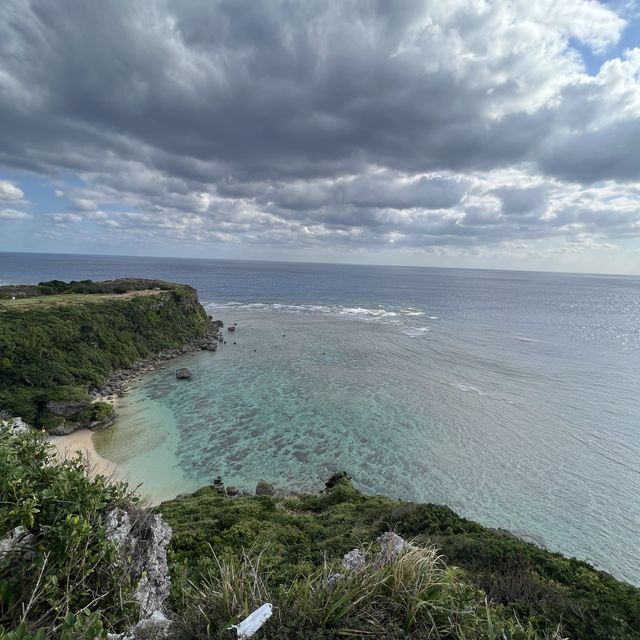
(411, 594)
(47, 302)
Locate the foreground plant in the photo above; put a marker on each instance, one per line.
(56, 559)
(409, 594)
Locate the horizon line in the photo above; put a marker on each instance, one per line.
(312, 262)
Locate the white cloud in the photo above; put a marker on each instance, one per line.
(12, 214)
(83, 204)
(64, 218)
(9, 191)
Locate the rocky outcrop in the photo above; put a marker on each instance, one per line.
(16, 540)
(63, 429)
(391, 546)
(354, 560)
(79, 414)
(264, 488)
(142, 538)
(183, 374)
(337, 478)
(67, 409)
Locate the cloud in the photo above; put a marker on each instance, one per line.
(12, 214)
(64, 218)
(326, 124)
(519, 201)
(9, 192)
(83, 204)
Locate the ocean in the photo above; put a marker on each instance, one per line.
(512, 397)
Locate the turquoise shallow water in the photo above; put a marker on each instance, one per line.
(510, 396)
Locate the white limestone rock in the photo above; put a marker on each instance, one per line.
(142, 538)
(391, 546)
(354, 560)
(16, 539)
(17, 426)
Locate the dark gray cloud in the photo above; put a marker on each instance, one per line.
(345, 123)
(522, 201)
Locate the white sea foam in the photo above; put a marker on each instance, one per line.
(364, 313)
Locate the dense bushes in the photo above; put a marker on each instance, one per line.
(68, 348)
(96, 412)
(411, 594)
(61, 561)
(298, 534)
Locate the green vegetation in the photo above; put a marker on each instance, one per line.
(62, 562)
(96, 412)
(297, 536)
(58, 352)
(412, 595)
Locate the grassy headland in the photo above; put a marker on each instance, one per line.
(58, 341)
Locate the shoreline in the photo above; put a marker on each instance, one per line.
(81, 441)
(117, 384)
(114, 389)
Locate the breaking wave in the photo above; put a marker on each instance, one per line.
(363, 313)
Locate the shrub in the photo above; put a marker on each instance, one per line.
(96, 412)
(53, 286)
(51, 422)
(412, 595)
(300, 534)
(64, 562)
(83, 626)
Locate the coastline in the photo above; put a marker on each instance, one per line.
(81, 441)
(115, 388)
(117, 385)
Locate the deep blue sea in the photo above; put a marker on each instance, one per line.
(512, 397)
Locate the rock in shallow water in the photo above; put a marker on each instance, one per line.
(264, 488)
(183, 374)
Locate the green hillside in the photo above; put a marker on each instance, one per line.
(55, 348)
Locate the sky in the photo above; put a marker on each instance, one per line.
(470, 133)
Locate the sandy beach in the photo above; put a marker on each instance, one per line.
(82, 440)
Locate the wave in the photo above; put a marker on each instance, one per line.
(414, 332)
(364, 313)
(469, 388)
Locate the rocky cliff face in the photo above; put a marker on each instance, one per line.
(142, 538)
